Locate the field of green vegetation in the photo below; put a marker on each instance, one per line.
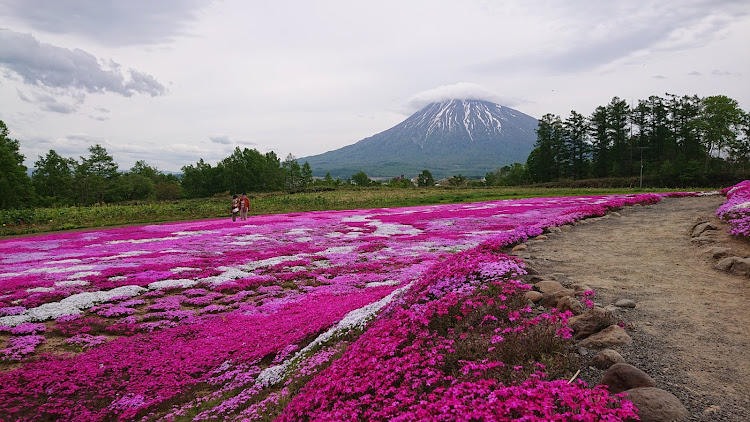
(25, 221)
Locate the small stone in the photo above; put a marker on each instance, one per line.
(615, 214)
(612, 336)
(712, 410)
(583, 351)
(625, 303)
(533, 296)
(521, 247)
(606, 358)
(549, 286)
(541, 237)
(553, 229)
(656, 405)
(566, 227)
(622, 376)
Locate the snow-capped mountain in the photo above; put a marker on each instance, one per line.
(471, 137)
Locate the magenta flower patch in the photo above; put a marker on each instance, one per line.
(322, 315)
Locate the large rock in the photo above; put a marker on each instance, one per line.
(533, 296)
(606, 358)
(612, 336)
(549, 286)
(551, 300)
(580, 288)
(570, 303)
(622, 376)
(715, 252)
(734, 265)
(701, 228)
(590, 322)
(656, 405)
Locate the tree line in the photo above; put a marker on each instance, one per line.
(668, 141)
(96, 178)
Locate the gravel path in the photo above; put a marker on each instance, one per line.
(690, 323)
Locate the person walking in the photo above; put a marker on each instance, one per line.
(244, 206)
(235, 207)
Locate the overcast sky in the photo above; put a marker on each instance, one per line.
(173, 81)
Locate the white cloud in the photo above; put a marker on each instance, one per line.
(64, 71)
(457, 91)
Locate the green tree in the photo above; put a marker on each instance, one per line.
(200, 180)
(425, 179)
(543, 164)
(722, 119)
(53, 178)
(293, 172)
(16, 190)
(361, 179)
(95, 175)
(577, 148)
(306, 175)
(457, 180)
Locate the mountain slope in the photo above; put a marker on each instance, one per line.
(471, 137)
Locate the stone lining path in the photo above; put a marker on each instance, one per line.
(690, 323)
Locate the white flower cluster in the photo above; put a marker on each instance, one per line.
(354, 319)
(71, 305)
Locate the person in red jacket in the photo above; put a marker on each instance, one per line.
(244, 206)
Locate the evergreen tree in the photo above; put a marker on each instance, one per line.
(16, 190)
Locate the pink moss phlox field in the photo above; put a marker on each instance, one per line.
(736, 209)
(149, 316)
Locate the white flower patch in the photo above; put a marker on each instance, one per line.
(71, 305)
(333, 235)
(82, 274)
(337, 250)
(123, 255)
(147, 240)
(390, 229)
(354, 319)
(64, 261)
(356, 218)
(118, 278)
(228, 274)
(52, 270)
(711, 193)
(304, 239)
(182, 269)
(15, 258)
(296, 269)
(383, 283)
(741, 206)
(247, 239)
(72, 283)
(269, 262)
(194, 232)
(165, 284)
(40, 289)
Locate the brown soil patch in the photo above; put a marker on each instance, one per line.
(690, 323)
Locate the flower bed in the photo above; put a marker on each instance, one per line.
(736, 210)
(219, 319)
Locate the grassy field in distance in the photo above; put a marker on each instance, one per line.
(15, 222)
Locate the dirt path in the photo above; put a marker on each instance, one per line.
(690, 325)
